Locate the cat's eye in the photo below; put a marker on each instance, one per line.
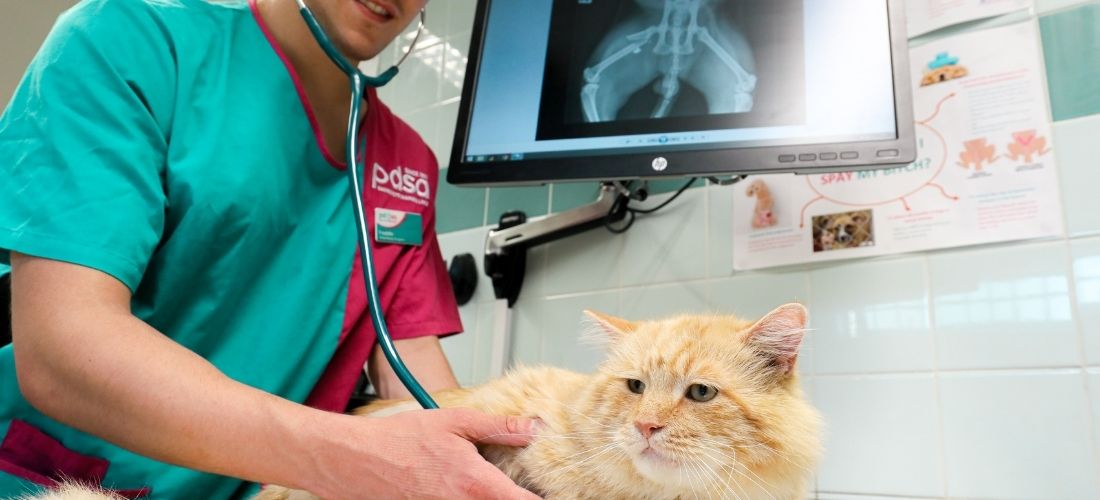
(636, 386)
(701, 393)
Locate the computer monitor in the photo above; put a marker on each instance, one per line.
(571, 90)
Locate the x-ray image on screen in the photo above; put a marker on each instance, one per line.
(639, 66)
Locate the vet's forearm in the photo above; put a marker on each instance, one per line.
(424, 358)
(100, 369)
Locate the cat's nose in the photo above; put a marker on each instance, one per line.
(647, 428)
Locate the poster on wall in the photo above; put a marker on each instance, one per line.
(985, 169)
(924, 16)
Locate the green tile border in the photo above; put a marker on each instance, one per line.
(534, 201)
(458, 208)
(1071, 47)
(570, 195)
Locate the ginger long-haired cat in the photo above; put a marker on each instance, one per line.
(688, 407)
(683, 408)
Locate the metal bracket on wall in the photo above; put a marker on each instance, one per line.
(506, 246)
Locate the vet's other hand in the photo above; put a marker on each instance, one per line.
(419, 454)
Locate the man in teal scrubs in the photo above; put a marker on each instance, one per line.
(186, 300)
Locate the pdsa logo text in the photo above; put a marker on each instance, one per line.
(403, 183)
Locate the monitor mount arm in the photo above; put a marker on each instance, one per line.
(506, 246)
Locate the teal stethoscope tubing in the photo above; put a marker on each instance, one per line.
(366, 255)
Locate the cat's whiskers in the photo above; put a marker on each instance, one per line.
(705, 474)
(603, 450)
(700, 478)
(773, 451)
(540, 436)
(684, 466)
(734, 448)
(736, 469)
(593, 453)
(715, 473)
(721, 466)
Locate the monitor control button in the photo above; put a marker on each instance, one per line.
(827, 156)
(887, 153)
(807, 157)
(786, 158)
(849, 155)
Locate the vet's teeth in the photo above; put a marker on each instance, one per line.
(375, 8)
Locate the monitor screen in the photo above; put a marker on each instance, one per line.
(560, 90)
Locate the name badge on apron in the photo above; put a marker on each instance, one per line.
(395, 226)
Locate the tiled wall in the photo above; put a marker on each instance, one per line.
(969, 373)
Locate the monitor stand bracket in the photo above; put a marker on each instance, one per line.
(506, 246)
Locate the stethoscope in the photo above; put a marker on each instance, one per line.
(366, 256)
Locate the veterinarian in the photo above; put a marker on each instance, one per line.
(188, 307)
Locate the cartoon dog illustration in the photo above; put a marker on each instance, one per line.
(763, 214)
(943, 68)
(940, 75)
(1025, 144)
(977, 154)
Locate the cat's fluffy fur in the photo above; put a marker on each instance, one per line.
(757, 439)
(73, 491)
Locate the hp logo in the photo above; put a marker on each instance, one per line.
(660, 163)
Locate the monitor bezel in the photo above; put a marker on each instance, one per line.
(695, 163)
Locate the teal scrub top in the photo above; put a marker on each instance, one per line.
(163, 142)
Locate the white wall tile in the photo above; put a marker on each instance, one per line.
(562, 319)
(1017, 435)
(537, 276)
(1086, 272)
(418, 85)
(752, 295)
(657, 302)
(842, 496)
(461, 349)
(882, 435)
(460, 16)
(483, 351)
(456, 55)
(470, 241)
(437, 19)
(1094, 397)
(584, 262)
(871, 316)
(1006, 307)
(720, 229)
(527, 331)
(667, 245)
(1075, 147)
(443, 138)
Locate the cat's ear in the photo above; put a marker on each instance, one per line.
(778, 335)
(610, 327)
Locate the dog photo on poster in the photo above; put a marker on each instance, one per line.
(618, 67)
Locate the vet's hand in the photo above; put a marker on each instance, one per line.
(419, 454)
